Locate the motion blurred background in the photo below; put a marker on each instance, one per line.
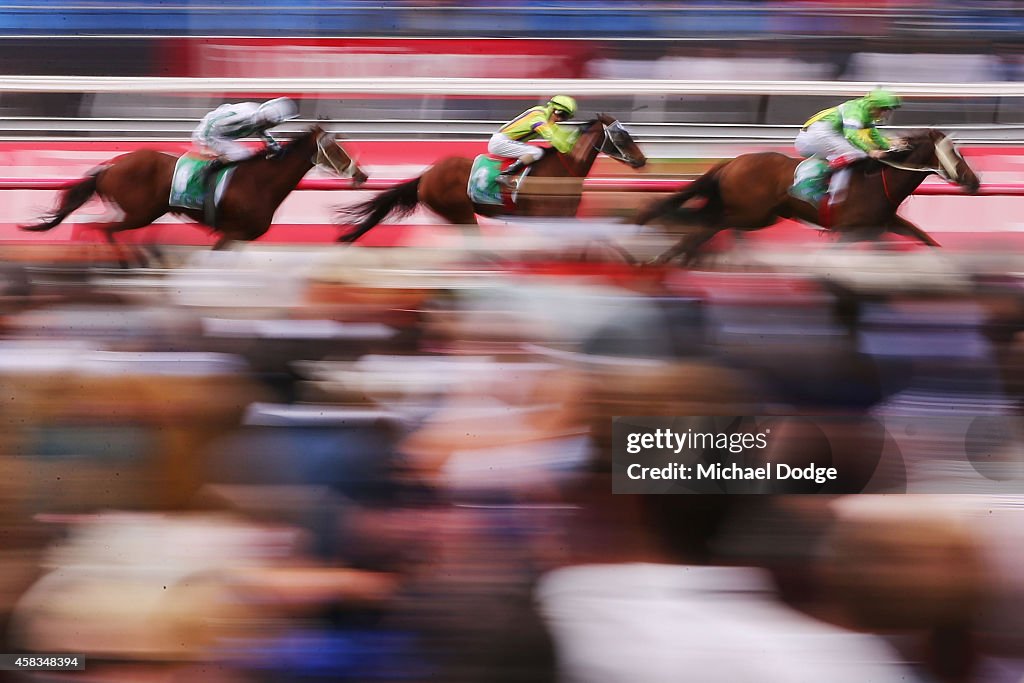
(295, 461)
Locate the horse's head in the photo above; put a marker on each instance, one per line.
(331, 156)
(933, 150)
(616, 141)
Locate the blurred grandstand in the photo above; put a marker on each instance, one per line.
(931, 42)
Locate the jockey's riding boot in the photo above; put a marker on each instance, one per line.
(507, 177)
(209, 174)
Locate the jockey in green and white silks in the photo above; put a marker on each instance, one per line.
(536, 122)
(840, 136)
(220, 130)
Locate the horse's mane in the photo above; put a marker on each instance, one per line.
(298, 140)
(919, 135)
(603, 119)
(914, 139)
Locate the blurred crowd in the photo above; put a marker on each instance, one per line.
(394, 465)
(560, 18)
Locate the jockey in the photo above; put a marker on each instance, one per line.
(221, 128)
(844, 134)
(536, 122)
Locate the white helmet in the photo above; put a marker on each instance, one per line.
(278, 111)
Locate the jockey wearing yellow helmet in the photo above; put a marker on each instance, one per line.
(536, 122)
(842, 135)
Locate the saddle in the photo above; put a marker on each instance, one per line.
(483, 186)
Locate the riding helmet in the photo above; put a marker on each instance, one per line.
(279, 110)
(883, 99)
(564, 103)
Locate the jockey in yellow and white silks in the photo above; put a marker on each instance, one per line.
(220, 130)
(536, 122)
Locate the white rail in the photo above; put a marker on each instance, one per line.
(489, 86)
(671, 134)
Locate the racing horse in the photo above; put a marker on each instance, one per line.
(443, 187)
(750, 192)
(139, 184)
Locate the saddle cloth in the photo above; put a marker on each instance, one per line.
(186, 188)
(483, 187)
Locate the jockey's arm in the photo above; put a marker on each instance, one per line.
(560, 138)
(879, 140)
(270, 141)
(868, 139)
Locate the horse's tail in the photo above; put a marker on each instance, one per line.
(72, 199)
(705, 186)
(399, 201)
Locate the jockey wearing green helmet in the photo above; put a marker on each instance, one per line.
(563, 104)
(842, 135)
(883, 99)
(536, 122)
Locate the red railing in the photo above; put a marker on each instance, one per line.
(593, 184)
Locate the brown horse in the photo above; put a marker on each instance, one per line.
(139, 184)
(443, 187)
(750, 192)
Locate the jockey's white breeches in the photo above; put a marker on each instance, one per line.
(503, 146)
(822, 141)
(230, 150)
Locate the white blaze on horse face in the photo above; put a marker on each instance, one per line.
(948, 157)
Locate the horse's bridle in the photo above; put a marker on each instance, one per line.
(946, 169)
(620, 154)
(322, 142)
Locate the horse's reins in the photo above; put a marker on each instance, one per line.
(600, 148)
(947, 162)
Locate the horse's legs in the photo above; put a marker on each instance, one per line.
(901, 226)
(119, 250)
(687, 246)
(128, 223)
(222, 243)
(154, 249)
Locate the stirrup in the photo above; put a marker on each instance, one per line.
(508, 181)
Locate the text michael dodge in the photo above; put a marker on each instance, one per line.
(732, 472)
